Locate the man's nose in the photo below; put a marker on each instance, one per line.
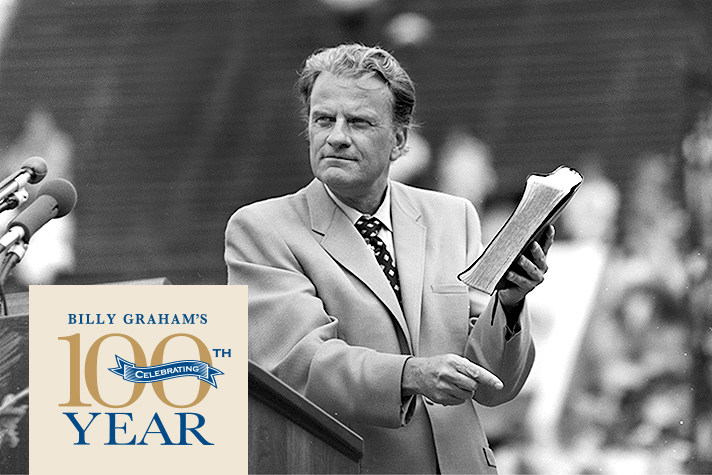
(339, 135)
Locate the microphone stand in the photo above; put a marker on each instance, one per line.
(13, 255)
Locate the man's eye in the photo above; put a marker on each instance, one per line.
(360, 122)
(322, 120)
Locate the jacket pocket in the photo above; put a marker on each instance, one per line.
(449, 288)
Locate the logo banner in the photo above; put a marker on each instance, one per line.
(176, 369)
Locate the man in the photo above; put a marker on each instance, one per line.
(397, 353)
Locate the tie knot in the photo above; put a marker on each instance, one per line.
(368, 227)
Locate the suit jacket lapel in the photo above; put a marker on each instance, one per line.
(343, 242)
(409, 241)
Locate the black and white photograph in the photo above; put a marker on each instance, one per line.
(476, 236)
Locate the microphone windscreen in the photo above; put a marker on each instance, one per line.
(38, 167)
(63, 193)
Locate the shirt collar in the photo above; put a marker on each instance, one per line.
(383, 213)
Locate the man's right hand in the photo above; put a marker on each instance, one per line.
(445, 379)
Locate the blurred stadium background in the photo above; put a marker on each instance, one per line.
(168, 115)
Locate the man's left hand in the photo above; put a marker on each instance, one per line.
(530, 274)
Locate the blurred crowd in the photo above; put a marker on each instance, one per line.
(626, 401)
(631, 397)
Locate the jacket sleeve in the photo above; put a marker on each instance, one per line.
(511, 358)
(292, 336)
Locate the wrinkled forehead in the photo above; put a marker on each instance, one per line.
(369, 82)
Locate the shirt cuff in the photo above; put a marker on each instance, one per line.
(509, 333)
(510, 330)
(407, 408)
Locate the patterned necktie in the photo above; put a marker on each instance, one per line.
(369, 227)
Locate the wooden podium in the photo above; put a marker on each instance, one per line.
(16, 325)
(289, 434)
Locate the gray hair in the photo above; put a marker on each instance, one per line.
(355, 60)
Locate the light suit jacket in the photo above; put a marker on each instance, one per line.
(323, 318)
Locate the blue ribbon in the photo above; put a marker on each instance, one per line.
(177, 369)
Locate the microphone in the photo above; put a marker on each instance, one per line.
(56, 199)
(32, 171)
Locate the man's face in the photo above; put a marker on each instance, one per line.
(352, 137)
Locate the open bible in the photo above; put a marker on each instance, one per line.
(543, 200)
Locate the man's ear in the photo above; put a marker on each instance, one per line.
(399, 148)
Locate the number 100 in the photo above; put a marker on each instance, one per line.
(91, 362)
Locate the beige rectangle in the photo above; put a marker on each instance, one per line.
(76, 334)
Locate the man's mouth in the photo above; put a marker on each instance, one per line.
(339, 157)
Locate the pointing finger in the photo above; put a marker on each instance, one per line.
(481, 375)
